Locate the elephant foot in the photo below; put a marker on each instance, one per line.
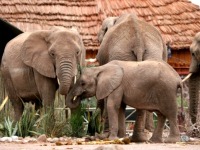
(139, 137)
(156, 140)
(105, 136)
(149, 128)
(173, 139)
(111, 137)
(102, 136)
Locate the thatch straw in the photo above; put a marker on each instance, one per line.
(178, 20)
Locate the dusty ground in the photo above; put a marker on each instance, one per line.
(132, 146)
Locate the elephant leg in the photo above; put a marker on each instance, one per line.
(47, 89)
(105, 117)
(174, 135)
(121, 121)
(149, 124)
(16, 102)
(157, 134)
(113, 119)
(38, 106)
(102, 105)
(114, 101)
(18, 108)
(138, 134)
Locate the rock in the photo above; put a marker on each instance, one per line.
(2, 139)
(50, 140)
(20, 138)
(9, 139)
(18, 141)
(14, 138)
(42, 138)
(6, 139)
(55, 140)
(61, 139)
(58, 143)
(109, 147)
(33, 140)
(184, 138)
(28, 138)
(194, 140)
(69, 142)
(24, 141)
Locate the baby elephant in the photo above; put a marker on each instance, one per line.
(150, 85)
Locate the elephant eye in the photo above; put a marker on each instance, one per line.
(106, 29)
(193, 54)
(82, 83)
(78, 52)
(52, 54)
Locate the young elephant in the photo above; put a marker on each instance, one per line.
(150, 85)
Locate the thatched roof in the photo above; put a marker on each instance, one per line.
(178, 20)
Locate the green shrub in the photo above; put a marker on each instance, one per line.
(95, 125)
(77, 121)
(26, 124)
(8, 128)
(33, 123)
(185, 103)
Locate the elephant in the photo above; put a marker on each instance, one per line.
(36, 64)
(194, 79)
(134, 84)
(129, 39)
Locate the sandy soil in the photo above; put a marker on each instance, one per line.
(132, 146)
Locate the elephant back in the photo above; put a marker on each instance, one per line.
(154, 43)
(13, 48)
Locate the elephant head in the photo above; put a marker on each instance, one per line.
(107, 23)
(110, 22)
(97, 81)
(54, 53)
(194, 80)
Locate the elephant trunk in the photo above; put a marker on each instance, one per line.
(72, 101)
(65, 76)
(194, 82)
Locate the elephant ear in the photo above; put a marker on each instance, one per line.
(108, 80)
(106, 25)
(194, 47)
(35, 53)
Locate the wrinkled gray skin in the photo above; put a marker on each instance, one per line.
(133, 84)
(194, 80)
(33, 61)
(130, 39)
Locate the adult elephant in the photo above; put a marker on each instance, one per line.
(129, 39)
(33, 62)
(194, 80)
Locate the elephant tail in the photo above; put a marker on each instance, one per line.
(165, 57)
(180, 88)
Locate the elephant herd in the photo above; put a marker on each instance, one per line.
(132, 71)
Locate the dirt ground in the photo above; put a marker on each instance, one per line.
(132, 146)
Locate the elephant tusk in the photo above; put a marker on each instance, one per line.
(187, 77)
(91, 60)
(58, 81)
(74, 98)
(74, 79)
